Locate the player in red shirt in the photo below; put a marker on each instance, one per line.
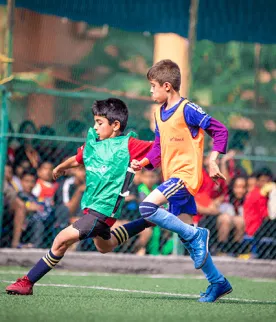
(110, 121)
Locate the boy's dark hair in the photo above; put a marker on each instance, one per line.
(29, 172)
(113, 109)
(231, 194)
(264, 172)
(165, 71)
(41, 163)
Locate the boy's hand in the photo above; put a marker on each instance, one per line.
(214, 172)
(57, 172)
(135, 165)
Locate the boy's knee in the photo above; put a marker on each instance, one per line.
(62, 242)
(147, 209)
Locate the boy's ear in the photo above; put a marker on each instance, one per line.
(167, 86)
(116, 126)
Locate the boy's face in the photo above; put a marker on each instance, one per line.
(45, 171)
(23, 165)
(159, 92)
(262, 180)
(28, 183)
(104, 129)
(251, 183)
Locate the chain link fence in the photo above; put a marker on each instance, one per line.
(50, 112)
(49, 206)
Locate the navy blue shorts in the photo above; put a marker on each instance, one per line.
(180, 199)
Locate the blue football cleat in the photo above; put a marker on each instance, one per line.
(215, 291)
(198, 247)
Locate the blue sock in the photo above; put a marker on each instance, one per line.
(43, 266)
(166, 220)
(210, 271)
(124, 232)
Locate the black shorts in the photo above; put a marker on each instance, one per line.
(93, 224)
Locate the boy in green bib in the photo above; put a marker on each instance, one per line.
(106, 157)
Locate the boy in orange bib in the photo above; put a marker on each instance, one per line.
(178, 146)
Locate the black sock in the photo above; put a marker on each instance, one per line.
(123, 233)
(43, 266)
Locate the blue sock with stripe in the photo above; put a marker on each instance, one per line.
(43, 266)
(167, 220)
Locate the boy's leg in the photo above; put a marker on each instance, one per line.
(150, 210)
(24, 286)
(219, 286)
(120, 235)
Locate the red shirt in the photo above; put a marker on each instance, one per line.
(137, 150)
(255, 210)
(210, 188)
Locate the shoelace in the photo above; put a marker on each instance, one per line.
(22, 281)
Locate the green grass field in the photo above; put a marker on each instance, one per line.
(71, 296)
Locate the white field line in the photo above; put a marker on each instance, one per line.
(76, 274)
(101, 288)
(156, 276)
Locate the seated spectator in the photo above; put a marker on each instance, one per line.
(209, 198)
(47, 148)
(26, 150)
(45, 188)
(19, 168)
(38, 213)
(231, 214)
(13, 206)
(255, 204)
(265, 236)
(231, 167)
(68, 197)
(11, 152)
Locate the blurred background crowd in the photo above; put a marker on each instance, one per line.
(240, 212)
(60, 66)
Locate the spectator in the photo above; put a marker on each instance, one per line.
(209, 198)
(45, 188)
(231, 214)
(231, 167)
(255, 204)
(67, 198)
(14, 206)
(38, 213)
(11, 153)
(265, 236)
(19, 168)
(251, 182)
(26, 150)
(47, 148)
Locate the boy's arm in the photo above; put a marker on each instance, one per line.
(61, 168)
(195, 117)
(152, 158)
(73, 162)
(219, 134)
